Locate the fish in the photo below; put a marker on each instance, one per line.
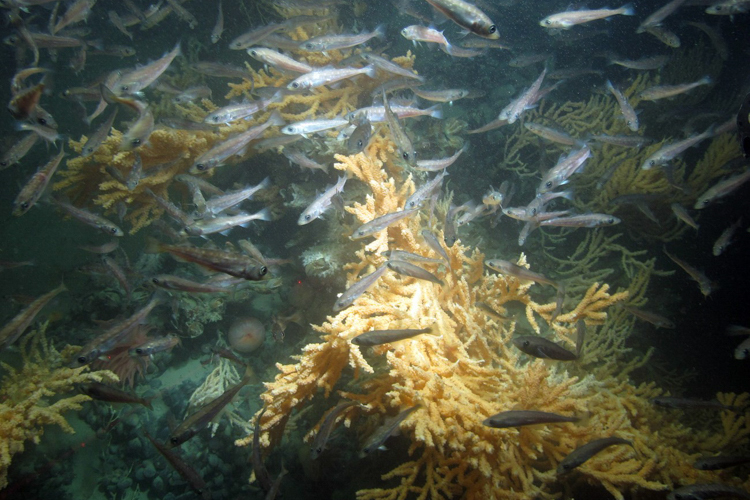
(380, 223)
(235, 145)
(468, 16)
(220, 70)
(681, 213)
(105, 342)
(409, 269)
(199, 419)
(656, 18)
(582, 220)
(307, 127)
(691, 404)
(99, 136)
(704, 283)
(234, 264)
(218, 29)
(191, 94)
(117, 22)
(23, 104)
(440, 163)
(327, 76)
(318, 207)
(667, 91)
(515, 109)
(18, 150)
(409, 257)
(581, 454)
(104, 392)
(720, 462)
(77, 11)
(520, 272)
(665, 36)
(626, 141)
(551, 134)
(642, 64)
(567, 166)
(88, 218)
(223, 225)
(725, 239)
(721, 189)
(376, 114)
(380, 337)
(707, 490)
(226, 201)
(324, 432)
(183, 14)
(729, 8)
(357, 289)
(448, 95)
(254, 36)
(138, 79)
(742, 351)
(390, 67)
(433, 243)
(360, 137)
(234, 112)
(672, 150)
(36, 186)
(170, 208)
(417, 33)
(404, 146)
(717, 40)
(259, 468)
(425, 191)
(299, 158)
(568, 19)
(325, 43)
(377, 438)
(631, 118)
(278, 60)
(105, 248)
(520, 418)
(138, 131)
(657, 320)
(170, 282)
(539, 347)
(47, 133)
(190, 475)
(15, 327)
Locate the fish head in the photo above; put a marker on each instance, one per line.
(310, 46)
(298, 84)
(742, 352)
(307, 217)
(485, 30)
(111, 230)
(20, 207)
(84, 358)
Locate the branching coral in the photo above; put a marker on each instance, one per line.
(30, 396)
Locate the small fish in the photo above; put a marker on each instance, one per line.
(690, 404)
(490, 311)
(665, 36)
(631, 118)
(77, 12)
(223, 225)
(321, 203)
(539, 347)
(198, 420)
(656, 18)
(380, 223)
(259, 468)
(448, 95)
(360, 137)
(307, 127)
(583, 453)
(324, 432)
(418, 33)
(327, 76)
(47, 133)
(706, 285)
(404, 146)
(667, 91)
(376, 114)
(191, 94)
(425, 191)
(409, 257)
(440, 163)
(234, 112)
(254, 36)
(655, 319)
(725, 239)
(670, 151)
(219, 26)
(520, 418)
(433, 243)
(325, 43)
(117, 22)
(357, 289)
(409, 269)
(15, 327)
(23, 104)
(552, 134)
(377, 438)
(742, 351)
(520, 272)
(567, 166)
(183, 14)
(468, 16)
(99, 136)
(642, 64)
(515, 109)
(234, 264)
(380, 337)
(138, 79)
(681, 213)
(278, 60)
(88, 218)
(720, 462)
(104, 392)
(225, 201)
(170, 282)
(390, 67)
(36, 186)
(721, 189)
(18, 150)
(190, 475)
(707, 490)
(105, 342)
(219, 70)
(568, 19)
(582, 220)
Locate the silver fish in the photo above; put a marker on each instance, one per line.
(409, 269)
(376, 440)
(380, 337)
(441, 163)
(520, 418)
(539, 347)
(327, 76)
(324, 432)
(223, 225)
(89, 218)
(707, 490)
(226, 201)
(425, 191)
(324, 43)
(631, 118)
(138, 79)
(583, 453)
(357, 289)
(725, 239)
(520, 272)
(566, 20)
(380, 223)
(721, 189)
(36, 186)
(219, 26)
(468, 16)
(567, 166)
(404, 146)
(667, 91)
(321, 203)
(278, 60)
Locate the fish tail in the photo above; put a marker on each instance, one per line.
(628, 9)
(436, 111)
(369, 71)
(264, 214)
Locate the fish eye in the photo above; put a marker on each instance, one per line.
(405, 156)
(492, 29)
(155, 280)
(138, 350)
(89, 150)
(547, 22)
(3, 163)
(651, 163)
(173, 440)
(113, 230)
(200, 167)
(263, 270)
(82, 360)
(41, 121)
(309, 46)
(611, 220)
(360, 143)
(526, 343)
(295, 85)
(533, 212)
(548, 184)
(25, 205)
(253, 53)
(745, 352)
(135, 142)
(124, 88)
(308, 217)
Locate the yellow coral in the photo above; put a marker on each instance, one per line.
(26, 393)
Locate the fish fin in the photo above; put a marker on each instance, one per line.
(264, 214)
(628, 9)
(436, 111)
